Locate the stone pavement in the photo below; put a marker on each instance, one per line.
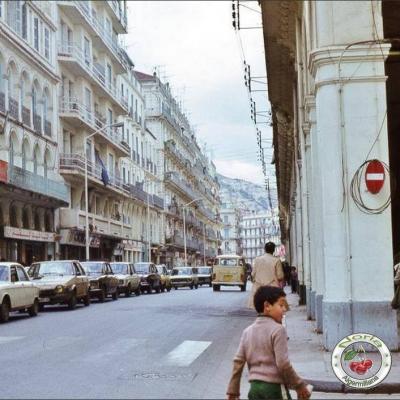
(310, 359)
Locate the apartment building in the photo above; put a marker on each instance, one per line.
(31, 188)
(231, 230)
(256, 230)
(190, 183)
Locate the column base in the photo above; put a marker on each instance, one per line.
(319, 312)
(302, 294)
(377, 318)
(308, 303)
(312, 304)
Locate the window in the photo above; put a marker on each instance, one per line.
(22, 275)
(36, 33)
(87, 50)
(24, 22)
(111, 164)
(47, 43)
(109, 75)
(14, 15)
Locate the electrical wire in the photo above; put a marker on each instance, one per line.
(355, 189)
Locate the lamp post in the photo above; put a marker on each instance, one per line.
(116, 125)
(184, 224)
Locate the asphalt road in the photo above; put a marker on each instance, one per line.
(170, 345)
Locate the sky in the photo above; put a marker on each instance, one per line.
(193, 46)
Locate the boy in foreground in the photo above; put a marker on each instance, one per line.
(263, 346)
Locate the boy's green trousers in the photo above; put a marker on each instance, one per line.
(260, 390)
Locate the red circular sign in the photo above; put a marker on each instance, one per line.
(374, 176)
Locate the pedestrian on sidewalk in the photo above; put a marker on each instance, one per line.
(286, 272)
(294, 279)
(267, 270)
(263, 346)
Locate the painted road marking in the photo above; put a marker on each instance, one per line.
(186, 353)
(8, 339)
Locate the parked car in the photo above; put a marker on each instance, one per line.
(60, 282)
(205, 275)
(128, 279)
(184, 276)
(17, 292)
(165, 278)
(150, 279)
(102, 280)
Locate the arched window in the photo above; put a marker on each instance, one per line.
(25, 219)
(24, 154)
(13, 217)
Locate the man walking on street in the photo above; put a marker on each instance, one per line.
(267, 270)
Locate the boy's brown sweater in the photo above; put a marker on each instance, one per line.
(263, 346)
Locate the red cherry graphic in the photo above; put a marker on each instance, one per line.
(367, 363)
(353, 365)
(361, 369)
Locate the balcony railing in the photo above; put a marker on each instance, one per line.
(37, 123)
(76, 163)
(119, 13)
(107, 37)
(174, 178)
(2, 102)
(26, 116)
(158, 202)
(138, 193)
(38, 184)
(94, 69)
(13, 107)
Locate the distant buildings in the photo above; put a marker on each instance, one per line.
(64, 82)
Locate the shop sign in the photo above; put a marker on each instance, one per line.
(3, 171)
(132, 245)
(78, 238)
(27, 234)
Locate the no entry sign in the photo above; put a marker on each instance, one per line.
(374, 176)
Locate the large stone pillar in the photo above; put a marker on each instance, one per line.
(350, 110)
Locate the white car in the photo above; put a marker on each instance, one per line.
(17, 292)
(128, 279)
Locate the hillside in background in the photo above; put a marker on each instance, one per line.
(243, 194)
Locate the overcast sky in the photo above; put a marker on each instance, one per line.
(196, 49)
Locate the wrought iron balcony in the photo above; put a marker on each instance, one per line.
(38, 184)
(173, 178)
(137, 192)
(158, 202)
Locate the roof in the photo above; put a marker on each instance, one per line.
(229, 256)
(141, 76)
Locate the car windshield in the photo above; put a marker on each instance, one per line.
(160, 270)
(142, 268)
(93, 268)
(51, 268)
(120, 268)
(228, 262)
(4, 273)
(182, 271)
(205, 270)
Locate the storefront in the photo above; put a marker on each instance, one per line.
(26, 245)
(132, 250)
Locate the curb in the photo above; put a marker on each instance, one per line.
(338, 387)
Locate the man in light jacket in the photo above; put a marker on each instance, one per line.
(267, 270)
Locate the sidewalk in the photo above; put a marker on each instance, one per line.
(309, 358)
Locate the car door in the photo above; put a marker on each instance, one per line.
(112, 280)
(17, 293)
(134, 275)
(79, 280)
(28, 289)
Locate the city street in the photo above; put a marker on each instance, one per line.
(171, 345)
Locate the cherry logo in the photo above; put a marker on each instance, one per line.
(363, 364)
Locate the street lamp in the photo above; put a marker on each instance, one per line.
(184, 224)
(116, 125)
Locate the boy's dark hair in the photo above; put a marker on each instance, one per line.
(269, 247)
(271, 294)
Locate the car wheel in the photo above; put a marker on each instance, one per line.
(176, 287)
(72, 301)
(168, 288)
(149, 290)
(138, 292)
(210, 284)
(102, 295)
(41, 307)
(86, 300)
(191, 286)
(115, 295)
(128, 291)
(158, 289)
(33, 310)
(196, 286)
(216, 288)
(4, 311)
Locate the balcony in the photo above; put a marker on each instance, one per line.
(2, 102)
(158, 202)
(73, 218)
(82, 13)
(173, 179)
(74, 164)
(138, 193)
(26, 116)
(13, 108)
(71, 55)
(175, 240)
(119, 15)
(77, 114)
(27, 180)
(37, 123)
